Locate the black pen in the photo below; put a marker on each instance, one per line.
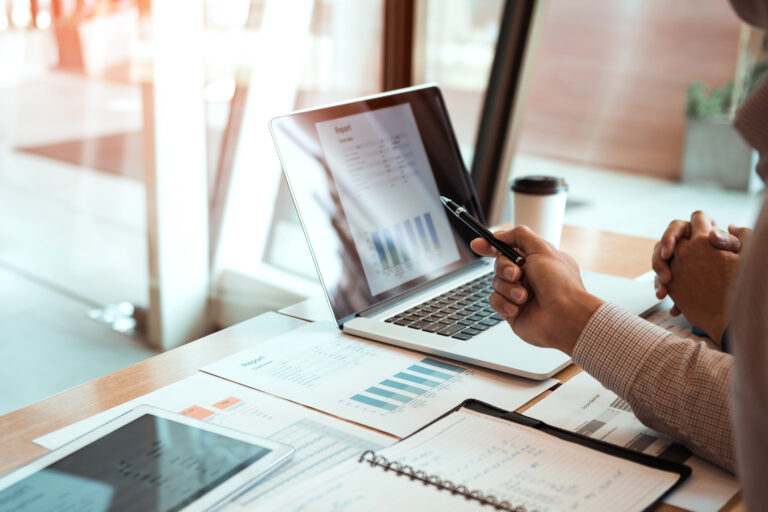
(475, 225)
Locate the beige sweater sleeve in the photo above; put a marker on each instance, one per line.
(749, 339)
(676, 386)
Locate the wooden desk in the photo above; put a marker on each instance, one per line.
(594, 250)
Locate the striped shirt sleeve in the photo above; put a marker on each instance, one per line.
(675, 386)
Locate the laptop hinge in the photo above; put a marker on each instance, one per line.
(434, 283)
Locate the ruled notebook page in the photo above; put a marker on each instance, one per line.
(356, 487)
(528, 467)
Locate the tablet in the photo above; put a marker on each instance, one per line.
(145, 460)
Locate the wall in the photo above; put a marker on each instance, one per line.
(608, 88)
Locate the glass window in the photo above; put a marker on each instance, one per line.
(607, 110)
(459, 46)
(606, 104)
(335, 54)
(73, 236)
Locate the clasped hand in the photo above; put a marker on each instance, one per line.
(696, 265)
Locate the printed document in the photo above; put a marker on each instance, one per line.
(518, 464)
(321, 442)
(584, 406)
(384, 387)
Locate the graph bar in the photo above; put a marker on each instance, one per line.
(621, 404)
(417, 380)
(401, 242)
(404, 387)
(431, 373)
(444, 366)
(422, 233)
(432, 232)
(389, 394)
(380, 250)
(411, 236)
(391, 247)
(376, 403)
(591, 427)
(641, 442)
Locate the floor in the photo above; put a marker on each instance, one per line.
(72, 238)
(49, 343)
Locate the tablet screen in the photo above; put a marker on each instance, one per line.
(151, 463)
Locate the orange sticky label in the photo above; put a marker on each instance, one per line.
(226, 402)
(196, 412)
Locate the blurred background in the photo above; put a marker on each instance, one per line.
(629, 101)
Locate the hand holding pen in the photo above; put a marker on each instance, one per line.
(562, 307)
(483, 232)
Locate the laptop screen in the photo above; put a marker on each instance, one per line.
(366, 178)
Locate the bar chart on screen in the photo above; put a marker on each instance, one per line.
(389, 194)
(409, 240)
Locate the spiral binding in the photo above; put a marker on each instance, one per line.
(398, 468)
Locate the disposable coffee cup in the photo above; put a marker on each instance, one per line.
(539, 203)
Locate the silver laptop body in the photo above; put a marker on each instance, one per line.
(366, 176)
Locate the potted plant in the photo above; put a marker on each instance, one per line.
(714, 150)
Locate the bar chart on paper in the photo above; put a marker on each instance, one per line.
(584, 406)
(405, 241)
(377, 385)
(408, 385)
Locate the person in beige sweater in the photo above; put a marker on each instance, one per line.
(674, 385)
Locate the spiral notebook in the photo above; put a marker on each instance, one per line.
(479, 457)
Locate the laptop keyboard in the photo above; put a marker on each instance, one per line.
(460, 313)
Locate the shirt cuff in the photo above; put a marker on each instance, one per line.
(613, 346)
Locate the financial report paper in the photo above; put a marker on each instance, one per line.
(321, 442)
(584, 406)
(384, 387)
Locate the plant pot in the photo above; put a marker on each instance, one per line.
(716, 153)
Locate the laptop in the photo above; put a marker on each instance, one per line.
(366, 177)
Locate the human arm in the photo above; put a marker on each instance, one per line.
(675, 386)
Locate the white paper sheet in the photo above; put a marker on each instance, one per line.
(677, 325)
(514, 463)
(355, 487)
(384, 387)
(321, 442)
(583, 405)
